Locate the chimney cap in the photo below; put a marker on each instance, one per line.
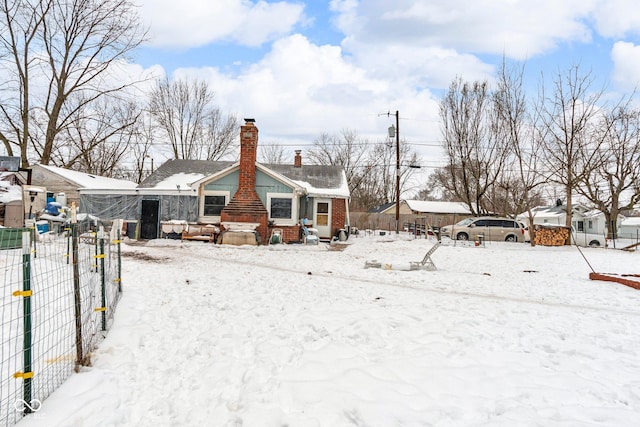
(249, 120)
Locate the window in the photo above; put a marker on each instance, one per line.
(580, 225)
(213, 205)
(281, 208)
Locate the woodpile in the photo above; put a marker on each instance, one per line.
(551, 235)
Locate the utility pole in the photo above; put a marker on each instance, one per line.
(396, 131)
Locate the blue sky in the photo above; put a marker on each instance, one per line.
(301, 68)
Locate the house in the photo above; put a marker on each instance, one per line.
(243, 194)
(629, 228)
(273, 196)
(164, 196)
(438, 213)
(583, 219)
(390, 209)
(65, 184)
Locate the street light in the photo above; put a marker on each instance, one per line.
(395, 131)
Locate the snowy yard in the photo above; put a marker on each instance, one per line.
(291, 335)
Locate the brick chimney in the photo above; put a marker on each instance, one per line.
(246, 206)
(297, 161)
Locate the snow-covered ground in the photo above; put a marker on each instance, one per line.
(291, 335)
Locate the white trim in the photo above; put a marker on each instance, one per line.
(214, 218)
(294, 208)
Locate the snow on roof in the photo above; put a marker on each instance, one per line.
(631, 221)
(9, 193)
(341, 191)
(85, 180)
(181, 179)
(438, 207)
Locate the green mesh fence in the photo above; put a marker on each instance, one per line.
(58, 298)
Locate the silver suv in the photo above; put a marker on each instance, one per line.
(485, 228)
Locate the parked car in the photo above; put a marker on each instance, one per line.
(485, 228)
(525, 233)
(581, 238)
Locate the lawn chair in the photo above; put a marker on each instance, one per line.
(276, 236)
(310, 236)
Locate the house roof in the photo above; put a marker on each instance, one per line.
(317, 180)
(85, 180)
(632, 221)
(181, 172)
(381, 208)
(431, 206)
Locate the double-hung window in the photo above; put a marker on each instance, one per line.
(211, 204)
(281, 208)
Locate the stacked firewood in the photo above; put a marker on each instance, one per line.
(551, 236)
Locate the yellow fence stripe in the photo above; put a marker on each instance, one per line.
(23, 293)
(24, 375)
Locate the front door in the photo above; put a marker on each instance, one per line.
(149, 219)
(322, 217)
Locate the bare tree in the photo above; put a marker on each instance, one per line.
(473, 142)
(193, 127)
(220, 134)
(272, 153)
(370, 169)
(567, 119)
(614, 185)
(98, 137)
(72, 46)
(521, 183)
(346, 149)
(438, 186)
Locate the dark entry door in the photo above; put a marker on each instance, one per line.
(149, 219)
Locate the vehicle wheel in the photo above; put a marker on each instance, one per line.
(462, 236)
(511, 238)
(594, 244)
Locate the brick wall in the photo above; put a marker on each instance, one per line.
(338, 215)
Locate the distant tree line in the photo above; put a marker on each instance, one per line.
(504, 150)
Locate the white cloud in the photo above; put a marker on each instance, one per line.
(300, 89)
(626, 61)
(617, 18)
(193, 23)
(517, 28)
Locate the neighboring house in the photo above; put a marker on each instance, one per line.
(390, 209)
(583, 219)
(629, 228)
(387, 209)
(65, 184)
(437, 213)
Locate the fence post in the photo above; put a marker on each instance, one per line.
(119, 279)
(103, 286)
(95, 242)
(27, 373)
(76, 294)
